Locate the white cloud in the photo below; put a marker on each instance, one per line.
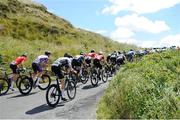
(170, 40)
(128, 40)
(139, 6)
(127, 26)
(122, 32)
(149, 44)
(100, 31)
(167, 41)
(138, 23)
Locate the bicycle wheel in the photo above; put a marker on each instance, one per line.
(25, 85)
(71, 89)
(84, 77)
(45, 82)
(104, 75)
(94, 79)
(53, 95)
(19, 79)
(4, 86)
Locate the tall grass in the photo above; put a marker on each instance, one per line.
(29, 27)
(149, 89)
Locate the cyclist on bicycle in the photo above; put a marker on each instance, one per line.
(113, 58)
(15, 65)
(78, 62)
(60, 65)
(98, 62)
(38, 65)
(130, 55)
(120, 58)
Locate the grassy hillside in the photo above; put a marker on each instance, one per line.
(148, 89)
(26, 26)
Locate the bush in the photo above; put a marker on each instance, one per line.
(149, 89)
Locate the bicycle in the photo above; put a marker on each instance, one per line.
(5, 80)
(27, 83)
(82, 77)
(54, 91)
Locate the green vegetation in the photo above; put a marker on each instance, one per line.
(147, 89)
(26, 26)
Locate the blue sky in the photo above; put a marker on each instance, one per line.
(146, 23)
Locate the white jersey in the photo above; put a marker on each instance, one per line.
(41, 59)
(62, 61)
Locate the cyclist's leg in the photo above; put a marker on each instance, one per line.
(35, 69)
(39, 74)
(58, 71)
(14, 75)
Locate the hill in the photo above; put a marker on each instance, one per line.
(26, 26)
(144, 90)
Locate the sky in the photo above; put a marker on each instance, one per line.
(145, 23)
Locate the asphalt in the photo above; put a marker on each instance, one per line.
(13, 105)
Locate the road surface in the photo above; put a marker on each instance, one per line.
(14, 105)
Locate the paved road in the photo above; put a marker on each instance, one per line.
(14, 105)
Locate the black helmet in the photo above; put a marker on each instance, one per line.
(24, 55)
(81, 53)
(92, 51)
(47, 53)
(119, 52)
(67, 55)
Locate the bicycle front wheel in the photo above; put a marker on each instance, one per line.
(4, 86)
(53, 95)
(71, 89)
(25, 85)
(45, 82)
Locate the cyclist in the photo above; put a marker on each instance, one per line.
(15, 65)
(113, 58)
(120, 58)
(78, 62)
(130, 55)
(38, 65)
(60, 65)
(98, 62)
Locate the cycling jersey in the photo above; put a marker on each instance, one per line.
(62, 61)
(13, 64)
(57, 65)
(99, 57)
(121, 56)
(92, 55)
(113, 58)
(131, 53)
(41, 59)
(20, 59)
(77, 60)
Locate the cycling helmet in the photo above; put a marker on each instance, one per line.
(24, 55)
(92, 51)
(67, 55)
(81, 53)
(119, 52)
(47, 53)
(100, 53)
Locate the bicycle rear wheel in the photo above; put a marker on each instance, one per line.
(53, 95)
(84, 77)
(4, 86)
(71, 89)
(25, 85)
(104, 75)
(45, 82)
(94, 79)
